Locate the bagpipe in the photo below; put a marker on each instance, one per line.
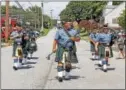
(19, 51)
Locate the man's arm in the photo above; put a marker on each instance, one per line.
(92, 40)
(96, 46)
(54, 46)
(55, 42)
(76, 38)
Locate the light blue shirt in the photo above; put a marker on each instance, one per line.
(63, 38)
(15, 35)
(93, 36)
(103, 38)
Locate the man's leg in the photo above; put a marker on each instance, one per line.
(15, 63)
(106, 56)
(24, 56)
(60, 71)
(67, 65)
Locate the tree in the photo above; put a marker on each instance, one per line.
(31, 14)
(117, 2)
(82, 9)
(122, 19)
(3, 9)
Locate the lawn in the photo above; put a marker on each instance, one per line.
(45, 32)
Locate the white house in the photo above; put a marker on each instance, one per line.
(112, 12)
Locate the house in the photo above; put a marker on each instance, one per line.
(111, 14)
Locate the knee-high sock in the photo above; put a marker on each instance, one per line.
(16, 64)
(15, 60)
(20, 60)
(60, 71)
(67, 74)
(100, 61)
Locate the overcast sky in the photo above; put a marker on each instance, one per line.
(57, 7)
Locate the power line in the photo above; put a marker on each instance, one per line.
(16, 1)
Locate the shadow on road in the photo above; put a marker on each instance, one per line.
(94, 59)
(31, 62)
(71, 77)
(33, 58)
(109, 69)
(26, 67)
(75, 67)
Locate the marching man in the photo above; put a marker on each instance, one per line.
(102, 46)
(65, 42)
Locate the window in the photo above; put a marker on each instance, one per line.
(114, 21)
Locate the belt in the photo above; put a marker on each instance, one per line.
(105, 44)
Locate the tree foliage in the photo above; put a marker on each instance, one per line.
(32, 14)
(82, 9)
(122, 19)
(117, 2)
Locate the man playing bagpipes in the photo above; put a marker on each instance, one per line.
(102, 46)
(64, 46)
(32, 45)
(16, 35)
(25, 40)
(92, 38)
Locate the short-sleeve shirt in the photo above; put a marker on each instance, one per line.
(15, 34)
(92, 36)
(103, 38)
(63, 38)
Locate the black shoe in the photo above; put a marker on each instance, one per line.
(15, 68)
(99, 65)
(60, 79)
(22, 63)
(105, 70)
(28, 58)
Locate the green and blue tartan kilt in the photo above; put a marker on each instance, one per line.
(101, 51)
(92, 47)
(61, 50)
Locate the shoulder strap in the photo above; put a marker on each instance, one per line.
(67, 33)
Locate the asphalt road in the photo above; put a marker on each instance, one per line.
(41, 73)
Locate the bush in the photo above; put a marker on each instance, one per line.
(122, 20)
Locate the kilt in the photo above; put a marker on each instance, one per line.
(14, 49)
(121, 46)
(111, 52)
(101, 51)
(71, 54)
(92, 47)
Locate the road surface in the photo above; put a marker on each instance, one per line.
(41, 73)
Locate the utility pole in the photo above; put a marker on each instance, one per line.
(38, 19)
(7, 21)
(42, 14)
(35, 18)
(51, 17)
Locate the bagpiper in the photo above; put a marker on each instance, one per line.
(102, 46)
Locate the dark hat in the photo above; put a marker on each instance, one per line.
(105, 26)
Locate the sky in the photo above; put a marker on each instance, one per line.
(57, 7)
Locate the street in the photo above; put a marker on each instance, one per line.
(41, 73)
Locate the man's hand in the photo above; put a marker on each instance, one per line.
(72, 38)
(54, 46)
(77, 39)
(54, 50)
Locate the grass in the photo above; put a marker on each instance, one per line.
(45, 32)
